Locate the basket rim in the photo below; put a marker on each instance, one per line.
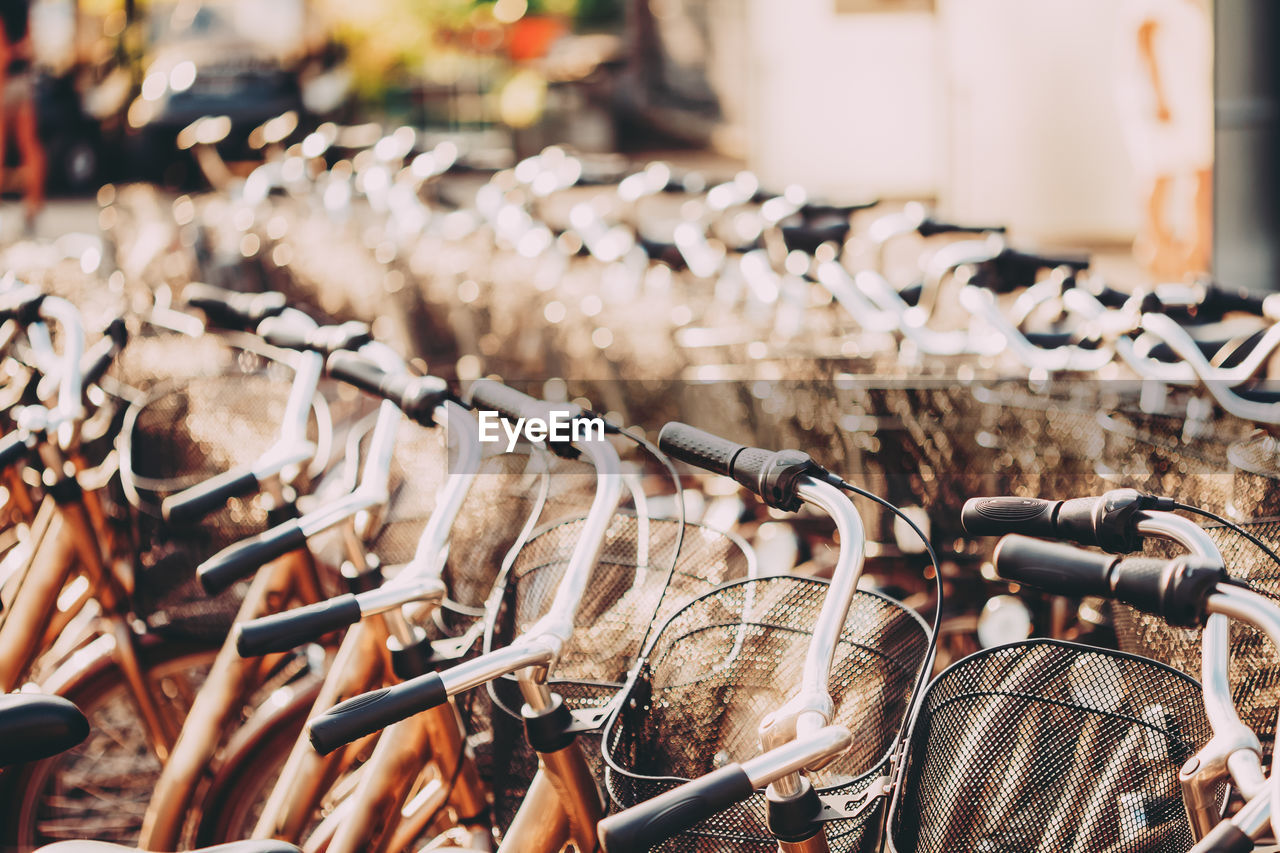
(634, 675)
(496, 594)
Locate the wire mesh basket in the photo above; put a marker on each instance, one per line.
(177, 436)
(631, 589)
(1255, 664)
(503, 496)
(1255, 476)
(732, 656)
(1169, 455)
(1049, 746)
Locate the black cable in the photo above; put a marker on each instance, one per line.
(925, 675)
(1229, 524)
(657, 454)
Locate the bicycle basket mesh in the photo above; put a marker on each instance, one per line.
(630, 589)
(1255, 666)
(1049, 746)
(177, 437)
(1255, 476)
(156, 354)
(728, 659)
(501, 499)
(1168, 455)
(419, 467)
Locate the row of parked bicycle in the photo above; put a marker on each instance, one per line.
(525, 641)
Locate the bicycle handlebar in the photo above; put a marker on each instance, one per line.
(22, 304)
(774, 476)
(1107, 521)
(416, 396)
(1226, 837)
(281, 632)
(1175, 590)
(367, 713)
(931, 227)
(99, 358)
(645, 826)
(192, 504)
(326, 340)
(230, 310)
(245, 557)
(13, 448)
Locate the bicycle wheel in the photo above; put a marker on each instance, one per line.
(101, 788)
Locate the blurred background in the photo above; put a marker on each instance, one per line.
(1084, 122)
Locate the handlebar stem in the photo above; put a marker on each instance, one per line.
(557, 623)
(1230, 735)
(792, 757)
(1260, 612)
(811, 708)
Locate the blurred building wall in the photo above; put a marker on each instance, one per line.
(1035, 135)
(1001, 109)
(847, 104)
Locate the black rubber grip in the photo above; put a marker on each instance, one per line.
(699, 448)
(645, 826)
(281, 632)
(1226, 837)
(1014, 260)
(1053, 567)
(416, 396)
(773, 475)
(808, 237)
(99, 357)
(21, 304)
(931, 227)
(231, 310)
(1175, 590)
(323, 339)
(490, 395)
(247, 556)
(13, 449)
(367, 713)
(1108, 296)
(1000, 515)
(824, 209)
(1106, 521)
(190, 505)
(1220, 299)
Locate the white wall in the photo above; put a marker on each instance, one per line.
(849, 104)
(1034, 137)
(1001, 109)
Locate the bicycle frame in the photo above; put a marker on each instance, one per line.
(293, 577)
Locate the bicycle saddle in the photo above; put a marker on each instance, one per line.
(33, 727)
(268, 846)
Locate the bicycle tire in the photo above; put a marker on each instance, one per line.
(23, 793)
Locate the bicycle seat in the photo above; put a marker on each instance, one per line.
(33, 727)
(807, 237)
(269, 846)
(1059, 339)
(662, 251)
